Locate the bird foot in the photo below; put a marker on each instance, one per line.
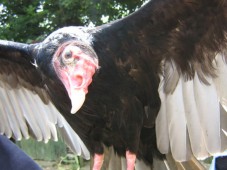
(131, 159)
(98, 161)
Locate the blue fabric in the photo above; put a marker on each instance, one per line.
(13, 158)
(219, 162)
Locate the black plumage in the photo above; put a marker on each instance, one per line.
(165, 41)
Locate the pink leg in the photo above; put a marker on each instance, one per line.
(98, 161)
(131, 159)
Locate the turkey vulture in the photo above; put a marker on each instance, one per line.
(151, 83)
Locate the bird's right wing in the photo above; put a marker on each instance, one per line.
(25, 107)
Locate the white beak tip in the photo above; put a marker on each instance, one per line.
(73, 110)
(77, 100)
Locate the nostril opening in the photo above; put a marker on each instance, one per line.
(78, 80)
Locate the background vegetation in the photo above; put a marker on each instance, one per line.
(31, 20)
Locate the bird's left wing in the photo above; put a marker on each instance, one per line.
(196, 124)
(25, 107)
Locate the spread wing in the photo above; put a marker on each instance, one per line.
(25, 107)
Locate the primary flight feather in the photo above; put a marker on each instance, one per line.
(159, 73)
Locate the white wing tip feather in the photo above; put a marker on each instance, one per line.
(41, 119)
(72, 139)
(199, 125)
(224, 132)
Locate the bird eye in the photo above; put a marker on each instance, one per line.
(67, 56)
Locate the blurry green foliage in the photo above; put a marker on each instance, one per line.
(31, 20)
(50, 151)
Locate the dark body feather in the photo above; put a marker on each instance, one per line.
(123, 100)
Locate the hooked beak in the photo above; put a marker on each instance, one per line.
(77, 91)
(76, 84)
(77, 99)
